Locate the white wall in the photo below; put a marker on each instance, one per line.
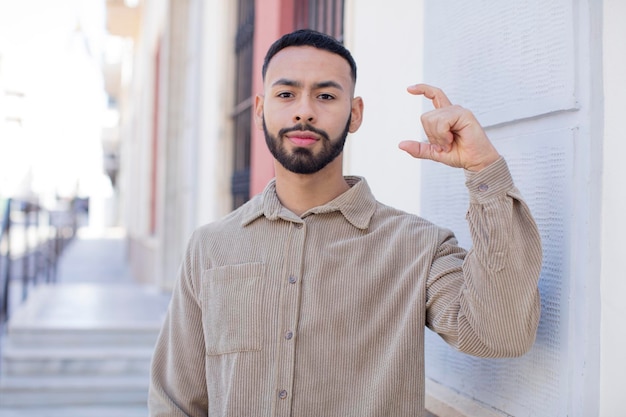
(194, 146)
(215, 138)
(136, 121)
(613, 336)
(529, 71)
(386, 43)
(178, 139)
(137, 109)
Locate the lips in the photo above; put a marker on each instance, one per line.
(302, 138)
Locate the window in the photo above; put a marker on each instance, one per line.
(242, 114)
(322, 15)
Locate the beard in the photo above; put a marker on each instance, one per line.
(303, 160)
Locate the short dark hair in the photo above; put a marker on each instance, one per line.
(309, 37)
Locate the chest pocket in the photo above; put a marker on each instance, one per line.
(232, 308)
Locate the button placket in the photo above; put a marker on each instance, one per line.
(288, 321)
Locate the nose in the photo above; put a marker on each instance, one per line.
(304, 111)
(308, 119)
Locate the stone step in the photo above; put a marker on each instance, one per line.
(88, 315)
(76, 361)
(80, 345)
(46, 337)
(76, 411)
(38, 391)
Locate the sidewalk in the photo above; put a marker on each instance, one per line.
(94, 286)
(95, 257)
(82, 346)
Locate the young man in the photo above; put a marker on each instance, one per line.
(311, 299)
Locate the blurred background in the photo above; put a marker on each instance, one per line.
(126, 124)
(58, 105)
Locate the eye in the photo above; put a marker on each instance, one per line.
(326, 96)
(284, 94)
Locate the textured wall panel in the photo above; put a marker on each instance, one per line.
(504, 60)
(535, 384)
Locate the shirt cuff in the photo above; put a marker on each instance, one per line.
(493, 181)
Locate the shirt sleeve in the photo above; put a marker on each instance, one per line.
(178, 379)
(486, 302)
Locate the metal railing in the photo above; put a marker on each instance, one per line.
(31, 240)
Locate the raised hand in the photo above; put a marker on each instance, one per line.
(455, 137)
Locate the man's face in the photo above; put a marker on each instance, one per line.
(307, 109)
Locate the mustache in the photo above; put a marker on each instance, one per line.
(303, 127)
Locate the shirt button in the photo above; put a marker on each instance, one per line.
(288, 335)
(483, 187)
(282, 394)
(292, 279)
(298, 225)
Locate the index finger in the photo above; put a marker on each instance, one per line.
(436, 95)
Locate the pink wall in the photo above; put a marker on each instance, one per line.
(273, 18)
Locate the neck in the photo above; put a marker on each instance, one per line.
(301, 192)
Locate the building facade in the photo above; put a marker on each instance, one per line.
(542, 77)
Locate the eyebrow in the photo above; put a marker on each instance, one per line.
(322, 84)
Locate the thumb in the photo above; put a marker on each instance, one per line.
(420, 150)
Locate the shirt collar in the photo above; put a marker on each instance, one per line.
(357, 205)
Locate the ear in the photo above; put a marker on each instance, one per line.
(258, 111)
(357, 114)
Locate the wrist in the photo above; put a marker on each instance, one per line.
(484, 163)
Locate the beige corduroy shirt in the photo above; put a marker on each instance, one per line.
(323, 315)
